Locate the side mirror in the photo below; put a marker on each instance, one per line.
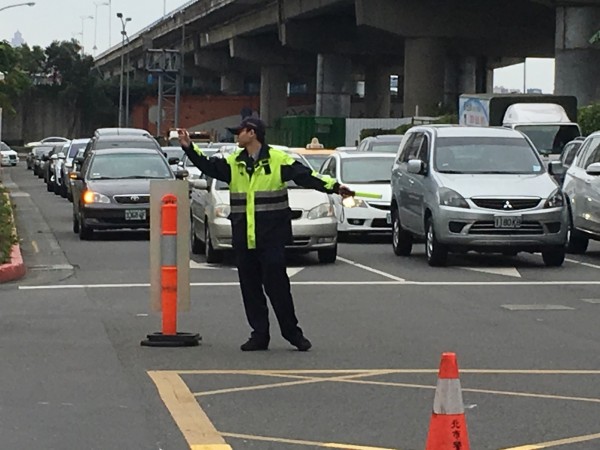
(181, 174)
(78, 159)
(173, 161)
(416, 166)
(199, 183)
(593, 169)
(556, 168)
(54, 157)
(75, 176)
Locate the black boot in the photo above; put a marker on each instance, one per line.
(255, 344)
(301, 343)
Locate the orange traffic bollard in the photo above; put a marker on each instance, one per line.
(169, 337)
(448, 426)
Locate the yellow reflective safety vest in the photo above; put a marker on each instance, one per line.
(260, 213)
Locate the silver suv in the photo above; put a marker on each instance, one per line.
(582, 188)
(468, 188)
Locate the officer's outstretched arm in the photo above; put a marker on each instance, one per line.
(305, 177)
(213, 167)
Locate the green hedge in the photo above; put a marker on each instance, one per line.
(589, 118)
(7, 236)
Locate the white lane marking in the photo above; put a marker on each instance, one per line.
(333, 283)
(52, 267)
(581, 263)
(537, 308)
(504, 271)
(207, 266)
(593, 301)
(370, 269)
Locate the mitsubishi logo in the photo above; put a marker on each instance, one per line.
(136, 198)
(507, 205)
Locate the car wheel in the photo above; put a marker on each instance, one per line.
(85, 233)
(577, 242)
(554, 256)
(56, 187)
(437, 254)
(196, 244)
(212, 255)
(327, 255)
(75, 224)
(49, 184)
(401, 239)
(63, 190)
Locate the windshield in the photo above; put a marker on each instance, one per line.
(128, 165)
(549, 139)
(75, 149)
(142, 143)
(39, 151)
(173, 152)
(316, 161)
(366, 170)
(474, 155)
(386, 147)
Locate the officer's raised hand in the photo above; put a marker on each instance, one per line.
(184, 137)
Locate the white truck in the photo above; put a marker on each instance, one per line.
(549, 121)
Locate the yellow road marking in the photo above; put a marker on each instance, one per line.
(567, 441)
(35, 247)
(302, 442)
(197, 429)
(389, 371)
(303, 380)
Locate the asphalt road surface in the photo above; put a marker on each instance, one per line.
(75, 376)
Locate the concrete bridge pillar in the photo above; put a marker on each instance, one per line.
(232, 83)
(273, 93)
(424, 75)
(377, 91)
(577, 61)
(334, 85)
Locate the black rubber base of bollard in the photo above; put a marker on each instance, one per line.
(172, 340)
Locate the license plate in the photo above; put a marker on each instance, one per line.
(507, 222)
(135, 214)
(388, 218)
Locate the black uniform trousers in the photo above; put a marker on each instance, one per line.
(263, 271)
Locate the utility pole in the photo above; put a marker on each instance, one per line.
(123, 34)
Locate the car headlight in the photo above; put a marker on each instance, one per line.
(94, 197)
(353, 202)
(448, 197)
(222, 211)
(321, 211)
(556, 200)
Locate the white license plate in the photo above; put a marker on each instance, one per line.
(507, 222)
(388, 218)
(135, 214)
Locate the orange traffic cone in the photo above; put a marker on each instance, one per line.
(448, 427)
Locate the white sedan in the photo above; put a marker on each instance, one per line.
(8, 156)
(368, 172)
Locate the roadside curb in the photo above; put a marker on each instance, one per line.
(15, 269)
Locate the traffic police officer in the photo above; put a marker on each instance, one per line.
(261, 224)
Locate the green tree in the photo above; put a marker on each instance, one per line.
(589, 118)
(16, 81)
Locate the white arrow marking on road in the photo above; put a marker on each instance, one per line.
(291, 271)
(197, 265)
(505, 271)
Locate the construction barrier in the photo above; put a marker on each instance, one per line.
(448, 427)
(169, 337)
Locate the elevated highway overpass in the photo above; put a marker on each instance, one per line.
(439, 49)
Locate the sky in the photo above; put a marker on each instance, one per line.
(50, 20)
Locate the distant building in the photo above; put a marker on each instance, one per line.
(17, 39)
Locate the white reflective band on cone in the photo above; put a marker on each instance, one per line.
(168, 250)
(448, 397)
